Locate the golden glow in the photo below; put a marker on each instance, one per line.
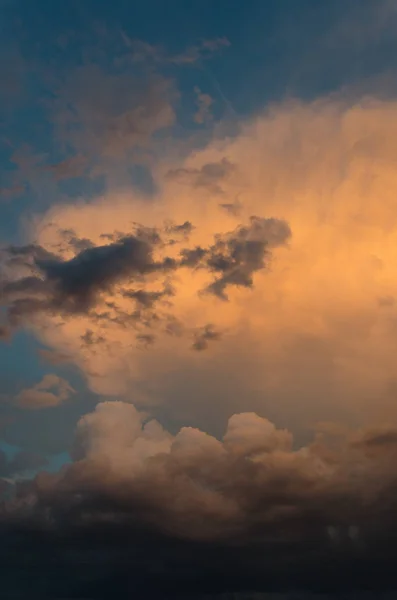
(317, 337)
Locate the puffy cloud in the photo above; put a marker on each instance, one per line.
(50, 391)
(243, 503)
(252, 482)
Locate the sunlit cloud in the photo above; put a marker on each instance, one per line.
(306, 331)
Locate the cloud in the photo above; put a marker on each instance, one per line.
(20, 463)
(203, 50)
(204, 103)
(107, 115)
(248, 501)
(252, 483)
(307, 341)
(204, 335)
(209, 177)
(50, 391)
(53, 358)
(79, 285)
(68, 168)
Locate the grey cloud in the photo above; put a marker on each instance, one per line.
(78, 244)
(209, 177)
(240, 254)
(28, 253)
(232, 208)
(72, 285)
(192, 257)
(96, 268)
(89, 338)
(205, 335)
(50, 284)
(184, 229)
(145, 299)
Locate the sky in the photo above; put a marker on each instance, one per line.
(198, 298)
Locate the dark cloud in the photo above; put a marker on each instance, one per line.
(145, 299)
(71, 286)
(204, 336)
(184, 229)
(96, 268)
(76, 243)
(189, 514)
(145, 339)
(49, 284)
(236, 256)
(209, 177)
(192, 257)
(90, 337)
(233, 209)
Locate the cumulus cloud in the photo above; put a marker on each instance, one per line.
(253, 484)
(253, 497)
(50, 391)
(306, 263)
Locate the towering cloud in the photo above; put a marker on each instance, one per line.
(306, 264)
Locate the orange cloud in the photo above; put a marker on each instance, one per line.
(315, 338)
